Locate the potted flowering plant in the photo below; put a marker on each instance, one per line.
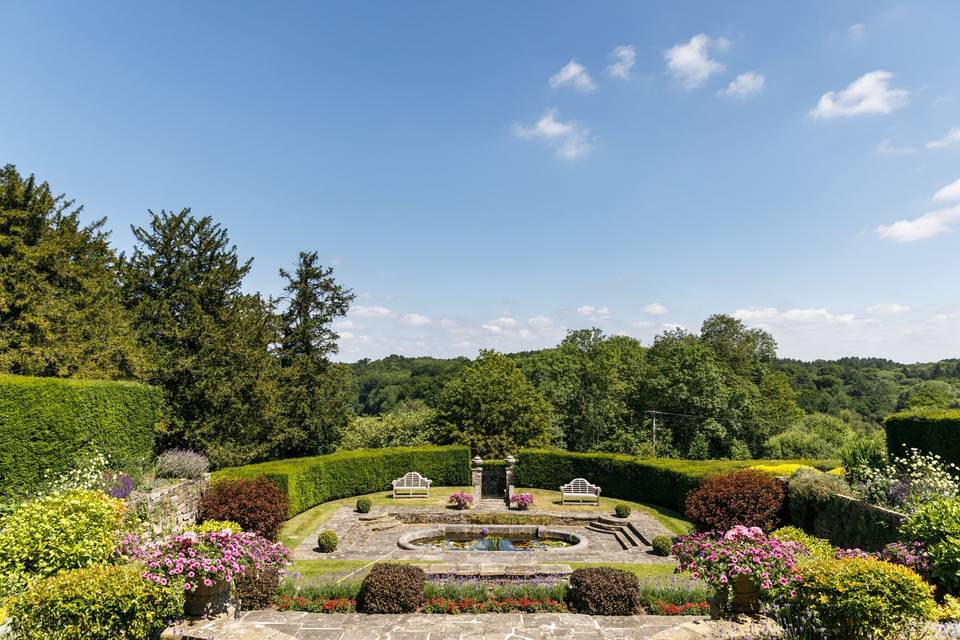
(205, 564)
(739, 565)
(522, 501)
(461, 500)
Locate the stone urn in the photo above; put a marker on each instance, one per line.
(206, 600)
(742, 597)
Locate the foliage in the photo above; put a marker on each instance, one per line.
(308, 482)
(203, 559)
(395, 382)
(748, 498)
(256, 504)
(491, 407)
(62, 312)
(68, 530)
(816, 435)
(100, 602)
(622, 510)
(818, 547)
(937, 525)
(865, 452)
(662, 545)
(522, 501)
(398, 428)
(864, 598)
(912, 555)
(718, 558)
(213, 526)
(257, 588)
(363, 505)
(461, 500)
(181, 463)
(603, 591)
(934, 431)
(781, 470)
(929, 394)
(90, 471)
(908, 483)
(327, 541)
(808, 492)
(391, 588)
(47, 425)
(674, 595)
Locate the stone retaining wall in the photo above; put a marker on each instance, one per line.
(167, 510)
(452, 516)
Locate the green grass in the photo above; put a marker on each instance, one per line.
(323, 570)
(640, 570)
(550, 501)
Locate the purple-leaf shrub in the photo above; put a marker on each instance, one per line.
(522, 500)
(181, 463)
(461, 499)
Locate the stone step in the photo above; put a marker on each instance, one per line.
(644, 534)
(617, 535)
(374, 517)
(386, 525)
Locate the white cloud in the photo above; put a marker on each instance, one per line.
(929, 225)
(594, 313)
(573, 75)
(949, 193)
(886, 148)
(569, 139)
(690, 64)
(344, 324)
(744, 85)
(673, 326)
(655, 309)
(888, 309)
(952, 137)
(624, 57)
(868, 94)
(370, 312)
(492, 328)
(857, 31)
(415, 320)
(540, 322)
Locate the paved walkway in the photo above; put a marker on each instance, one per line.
(275, 625)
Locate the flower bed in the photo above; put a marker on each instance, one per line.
(461, 500)
(522, 501)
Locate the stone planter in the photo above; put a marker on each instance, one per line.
(207, 601)
(744, 597)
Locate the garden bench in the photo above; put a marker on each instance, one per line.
(579, 490)
(411, 485)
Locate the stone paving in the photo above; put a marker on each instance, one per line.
(274, 625)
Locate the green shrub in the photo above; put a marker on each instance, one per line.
(603, 591)
(257, 588)
(47, 423)
(327, 541)
(95, 603)
(214, 526)
(937, 525)
(256, 504)
(818, 547)
(746, 497)
(934, 431)
(363, 505)
(391, 588)
(312, 481)
(661, 545)
(622, 510)
(661, 481)
(863, 598)
(64, 531)
(807, 494)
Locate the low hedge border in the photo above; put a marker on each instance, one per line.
(661, 481)
(315, 480)
(935, 431)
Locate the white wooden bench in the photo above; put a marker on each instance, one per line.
(411, 485)
(579, 490)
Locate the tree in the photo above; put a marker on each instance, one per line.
(61, 312)
(207, 340)
(936, 394)
(317, 394)
(746, 351)
(493, 408)
(816, 436)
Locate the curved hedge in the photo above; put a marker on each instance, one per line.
(661, 481)
(315, 480)
(933, 430)
(45, 423)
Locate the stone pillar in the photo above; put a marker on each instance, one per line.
(509, 462)
(476, 478)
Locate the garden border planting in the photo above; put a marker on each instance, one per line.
(935, 431)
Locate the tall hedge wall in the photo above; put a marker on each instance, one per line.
(933, 430)
(660, 481)
(45, 423)
(312, 481)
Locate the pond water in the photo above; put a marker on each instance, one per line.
(481, 542)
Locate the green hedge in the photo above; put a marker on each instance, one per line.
(933, 430)
(312, 481)
(660, 481)
(46, 423)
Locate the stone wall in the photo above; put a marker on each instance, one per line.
(851, 523)
(167, 510)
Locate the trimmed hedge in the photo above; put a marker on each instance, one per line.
(936, 431)
(660, 481)
(47, 423)
(312, 481)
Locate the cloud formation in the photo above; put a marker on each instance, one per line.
(930, 224)
(952, 137)
(655, 309)
(690, 63)
(871, 93)
(573, 75)
(888, 309)
(370, 312)
(569, 140)
(624, 57)
(887, 148)
(415, 320)
(744, 85)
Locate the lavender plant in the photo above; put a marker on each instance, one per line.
(181, 463)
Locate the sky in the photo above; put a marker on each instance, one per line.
(491, 175)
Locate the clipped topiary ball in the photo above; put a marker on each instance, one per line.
(622, 510)
(604, 591)
(363, 505)
(661, 545)
(392, 588)
(327, 541)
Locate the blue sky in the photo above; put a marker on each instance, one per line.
(492, 174)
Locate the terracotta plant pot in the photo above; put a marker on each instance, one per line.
(207, 601)
(743, 598)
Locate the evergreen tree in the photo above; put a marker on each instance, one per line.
(61, 312)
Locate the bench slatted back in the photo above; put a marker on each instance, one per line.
(578, 485)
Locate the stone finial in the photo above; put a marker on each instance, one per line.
(477, 461)
(510, 460)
